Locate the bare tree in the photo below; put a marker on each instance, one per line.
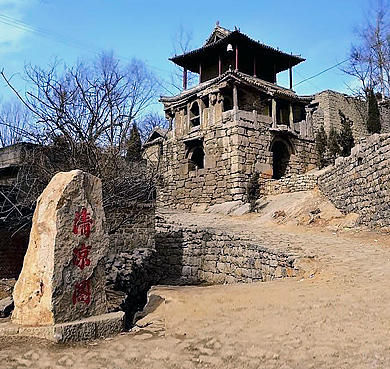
(82, 117)
(151, 121)
(14, 122)
(181, 43)
(369, 60)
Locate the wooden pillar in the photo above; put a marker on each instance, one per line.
(219, 65)
(291, 78)
(254, 67)
(235, 102)
(274, 122)
(236, 57)
(200, 72)
(235, 97)
(291, 116)
(184, 78)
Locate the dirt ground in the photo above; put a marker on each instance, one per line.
(335, 315)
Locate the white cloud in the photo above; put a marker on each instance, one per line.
(13, 33)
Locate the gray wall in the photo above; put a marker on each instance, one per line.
(361, 182)
(200, 254)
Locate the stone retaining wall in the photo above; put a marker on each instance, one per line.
(195, 255)
(361, 182)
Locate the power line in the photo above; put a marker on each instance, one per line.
(4, 19)
(303, 77)
(318, 74)
(60, 38)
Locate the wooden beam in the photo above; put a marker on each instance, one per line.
(235, 97)
(236, 57)
(274, 122)
(274, 73)
(291, 115)
(184, 78)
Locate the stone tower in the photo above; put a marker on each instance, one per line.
(235, 122)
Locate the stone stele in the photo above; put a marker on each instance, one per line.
(63, 278)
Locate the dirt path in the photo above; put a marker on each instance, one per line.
(336, 316)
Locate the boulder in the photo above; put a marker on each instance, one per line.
(63, 277)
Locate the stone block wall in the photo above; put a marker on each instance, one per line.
(131, 227)
(361, 182)
(290, 183)
(235, 148)
(195, 255)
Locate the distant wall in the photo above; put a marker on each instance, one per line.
(361, 182)
(327, 112)
(12, 251)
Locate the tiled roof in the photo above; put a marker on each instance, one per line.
(218, 31)
(267, 87)
(157, 131)
(232, 34)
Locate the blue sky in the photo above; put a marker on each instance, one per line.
(321, 31)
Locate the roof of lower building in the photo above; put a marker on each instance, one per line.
(234, 76)
(155, 135)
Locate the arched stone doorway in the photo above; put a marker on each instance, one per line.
(197, 157)
(281, 152)
(195, 154)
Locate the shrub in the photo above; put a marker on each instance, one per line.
(373, 120)
(321, 145)
(346, 140)
(333, 143)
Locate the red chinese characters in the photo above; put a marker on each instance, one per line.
(82, 223)
(82, 292)
(80, 256)
(81, 259)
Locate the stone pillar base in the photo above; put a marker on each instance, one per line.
(79, 330)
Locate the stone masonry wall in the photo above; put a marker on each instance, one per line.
(361, 182)
(234, 150)
(196, 255)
